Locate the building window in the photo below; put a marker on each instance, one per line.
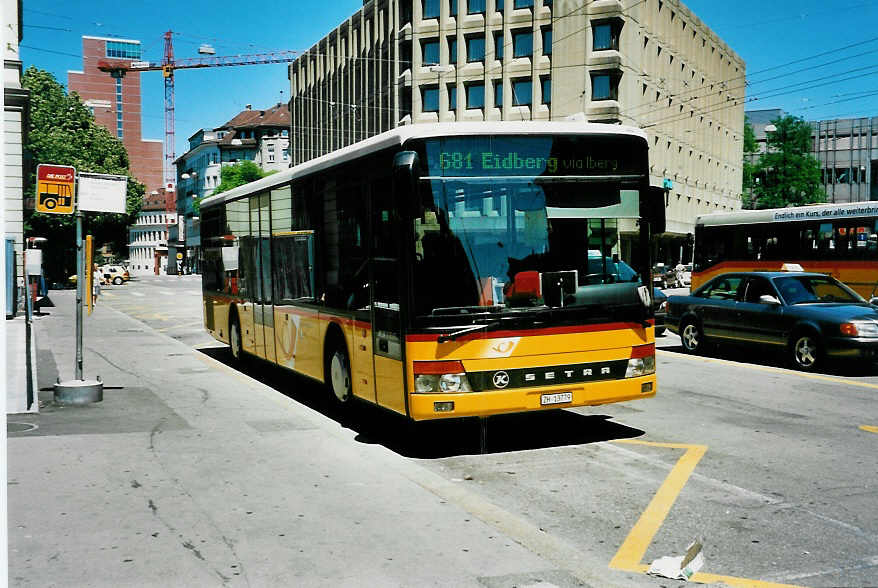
(430, 52)
(119, 129)
(522, 43)
(546, 83)
(475, 95)
(498, 93)
(499, 4)
(605, 34)
(430, 99)
(123, 49)
(452, 50)
(429, 8)
(498, 45)
(452, 96)
(605, 86)
(523, 4)
(521, 92)
(475, 48)
(475, 6)
(452, 7)
(547, 40)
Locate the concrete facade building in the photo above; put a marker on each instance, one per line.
(847, 150)
(261, 136)
(650, 64)
(16, 101)
(148, 237)
(115, 102)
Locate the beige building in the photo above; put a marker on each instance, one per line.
(647, 63)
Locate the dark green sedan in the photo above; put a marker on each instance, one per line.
(811, 317)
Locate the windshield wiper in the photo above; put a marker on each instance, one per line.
(453, 336)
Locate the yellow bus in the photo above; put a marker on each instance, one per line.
(444, 270)
(836, 239)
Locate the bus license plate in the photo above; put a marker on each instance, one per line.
(560, 398)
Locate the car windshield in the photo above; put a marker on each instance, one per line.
(805, 289)
(490, 245)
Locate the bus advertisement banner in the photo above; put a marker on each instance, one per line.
(56, 189)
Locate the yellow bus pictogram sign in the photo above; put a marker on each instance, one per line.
(56, 189)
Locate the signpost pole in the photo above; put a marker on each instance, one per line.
(80, 286)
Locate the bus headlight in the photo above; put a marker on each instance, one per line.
(445, 377)
(642, 362)
(454, 383)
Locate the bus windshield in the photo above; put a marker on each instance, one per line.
(497, 244)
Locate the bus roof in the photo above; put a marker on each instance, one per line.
(399, 135)
(795, 213)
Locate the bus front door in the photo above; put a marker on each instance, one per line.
(387, 340)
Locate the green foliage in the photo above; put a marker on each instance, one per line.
(62, 131)
(238, 174)
(787, 174)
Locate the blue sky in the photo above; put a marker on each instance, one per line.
(765, 33)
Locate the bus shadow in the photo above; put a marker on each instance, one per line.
(779, 360)
(440, 438)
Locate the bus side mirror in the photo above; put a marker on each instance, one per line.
(405, 175)
(652, 209)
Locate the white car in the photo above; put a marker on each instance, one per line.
(114, 274)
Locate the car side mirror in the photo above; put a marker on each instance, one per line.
(874, 301)
(769, 299)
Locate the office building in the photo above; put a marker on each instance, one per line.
(115, 103)
(847, 149)
(651, 64)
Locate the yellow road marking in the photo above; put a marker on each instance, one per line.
(634, 547)
(776, 370)
(869, 428)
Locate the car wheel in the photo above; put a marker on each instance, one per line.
(692, 337)
(805, 351)
(338, 372)
(117, 281)
(235, 340)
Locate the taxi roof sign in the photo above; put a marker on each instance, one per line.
(56, 189)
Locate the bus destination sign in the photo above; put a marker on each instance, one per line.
(515, 163)
(535, 156)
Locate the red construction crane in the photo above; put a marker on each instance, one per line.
(118, 68)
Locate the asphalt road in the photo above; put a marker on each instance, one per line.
(775, 470)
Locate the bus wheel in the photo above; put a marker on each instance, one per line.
(805, 351)
(691, 337)
(235, 339)
(339, 372)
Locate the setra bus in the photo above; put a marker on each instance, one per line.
(836, 239)
(444, 270)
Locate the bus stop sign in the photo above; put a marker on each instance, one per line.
(55, 189)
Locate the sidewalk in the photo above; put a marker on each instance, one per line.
(192, 474)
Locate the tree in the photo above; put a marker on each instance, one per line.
(63, 131)
(787, 172)
(234, 175)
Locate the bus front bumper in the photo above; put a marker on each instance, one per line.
(436, 406)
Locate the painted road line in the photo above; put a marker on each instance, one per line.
(140, 294)
(776, 370)
(869, 428)
(632, 550)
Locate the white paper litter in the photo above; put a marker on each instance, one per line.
(680, 567)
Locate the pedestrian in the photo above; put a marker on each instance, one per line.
(96, 280)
